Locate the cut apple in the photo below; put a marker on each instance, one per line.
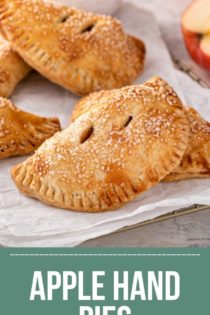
(205, 45)
(196, 31)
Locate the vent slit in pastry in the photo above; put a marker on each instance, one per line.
(64, 18)
(115, 165)
(20, 132)
(89, 52)
(88, 28)
(130, 118)
(86, 134)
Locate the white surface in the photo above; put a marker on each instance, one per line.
(27, 222)
(99, 6)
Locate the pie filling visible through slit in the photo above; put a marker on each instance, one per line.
(111, 154)
(20, 132)
(90, 52)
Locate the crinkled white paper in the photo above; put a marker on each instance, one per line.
(28, 222)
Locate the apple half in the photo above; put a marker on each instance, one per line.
(196, 31)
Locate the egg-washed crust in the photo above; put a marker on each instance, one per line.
(20, 132)
(110, 155)
(80, 51)
(12, 68)
(196, 160)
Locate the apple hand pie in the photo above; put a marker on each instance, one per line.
(12, 68)
(20, 132)
(111, 154)
(196, 160)
(80, 51)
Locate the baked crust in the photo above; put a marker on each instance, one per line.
(111, 154)
(12, 68)
(196, 160)
(80, 51)
(20, 132)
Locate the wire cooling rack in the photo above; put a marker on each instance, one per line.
(185, 68)
(171, 215)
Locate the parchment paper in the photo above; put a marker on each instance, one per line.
(28, 222)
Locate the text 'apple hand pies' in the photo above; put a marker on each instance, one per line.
(196, 160)
(12, 68)
(111, 154)
(20, 132)
(80, 51)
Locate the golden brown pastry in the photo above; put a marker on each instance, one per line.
(20, 132)
(12, 68)
(111, 154)
(196, 160)
(91, 102)
(80, 51)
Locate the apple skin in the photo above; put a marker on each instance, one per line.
(192, 42)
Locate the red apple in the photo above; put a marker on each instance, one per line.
(196, 31)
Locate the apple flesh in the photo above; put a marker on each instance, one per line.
(196, 31)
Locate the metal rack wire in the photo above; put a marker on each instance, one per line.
(171, 215)
(186, 69)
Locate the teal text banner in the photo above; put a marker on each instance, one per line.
(104, 281)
